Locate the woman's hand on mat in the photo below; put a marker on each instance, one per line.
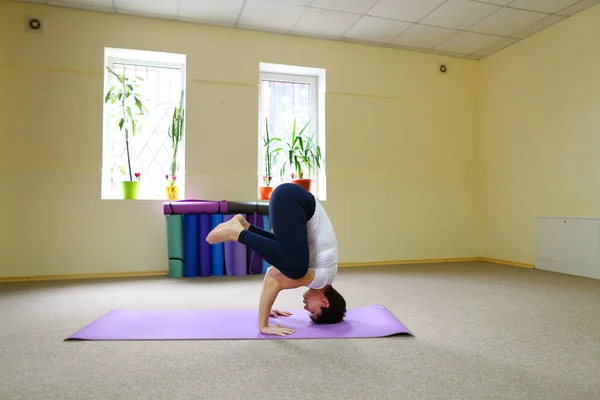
(275, 313)
(276, 330)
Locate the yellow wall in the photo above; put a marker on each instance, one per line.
(541, 134)
(5, 191)
(401, 142)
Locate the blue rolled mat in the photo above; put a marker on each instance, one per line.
(191, 228)
(254, 259)
(176, 268)
(217, 251)
(229, 252)
(267, 227)
(204, 246)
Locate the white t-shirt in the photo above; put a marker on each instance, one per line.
(323, 248)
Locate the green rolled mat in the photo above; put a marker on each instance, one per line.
(176, 268)
(175, 244)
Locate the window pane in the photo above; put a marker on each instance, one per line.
(150, 149)
(282, 102)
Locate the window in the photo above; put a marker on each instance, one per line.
(150, 149)
(289, 93)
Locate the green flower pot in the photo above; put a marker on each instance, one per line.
(130, 189)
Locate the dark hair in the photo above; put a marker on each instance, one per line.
(337, 308)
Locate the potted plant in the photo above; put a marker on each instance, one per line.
(175, 134)
(127, 99)
(304, 155)
(264, 192)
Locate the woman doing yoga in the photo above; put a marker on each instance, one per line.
(302, 250)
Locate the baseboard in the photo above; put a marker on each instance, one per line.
(131, 274)
(404, 262)
(506, 262)
(134, 274)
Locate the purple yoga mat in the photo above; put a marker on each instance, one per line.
(194, 207)
(254, 259)
(125, 324)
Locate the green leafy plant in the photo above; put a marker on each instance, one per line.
(270, 156)
(128, 99)
(176, 134)
(302, 152)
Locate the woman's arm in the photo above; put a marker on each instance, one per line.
(273, 283)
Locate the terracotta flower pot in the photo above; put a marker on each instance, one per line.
(305, 183)
(264, 192)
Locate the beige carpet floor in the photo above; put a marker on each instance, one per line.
(482, 331)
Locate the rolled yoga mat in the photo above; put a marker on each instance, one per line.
(191, 232)
(235, 255)
(124, 324)
(176, 269)
(240, 259)
(249, 207)
(204, 247)
(229, 252)
(194, 207)
(267, 227)
(217, 251)
(254, 259)
(175, 245)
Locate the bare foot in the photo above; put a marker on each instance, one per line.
(226, 231)
(242, 221)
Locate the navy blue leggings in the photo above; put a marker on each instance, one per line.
(290, 208)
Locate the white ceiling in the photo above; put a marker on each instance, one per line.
(462, 28)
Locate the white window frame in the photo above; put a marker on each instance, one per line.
(315, 77)
(146, 59)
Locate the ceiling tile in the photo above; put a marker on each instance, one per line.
(325, 22)
(354, 6)
(423, 36)
(459, 14)
(447, 53)
(497, 2)
(538, 26)
(404, 10)
(269, 15)
(467, 43)
(223, 12)
(506, 21)
(494, 47)
(293, 2)
(93, 5)
(144, 7)
(34, 1)
(578, 7)
(549, 6)
(374, 29)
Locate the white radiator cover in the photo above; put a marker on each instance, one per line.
(569, 245)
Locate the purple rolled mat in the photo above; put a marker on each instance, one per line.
(192, 206)
(240, 259)
(229, 248)
(254, 259)
(204, 247)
